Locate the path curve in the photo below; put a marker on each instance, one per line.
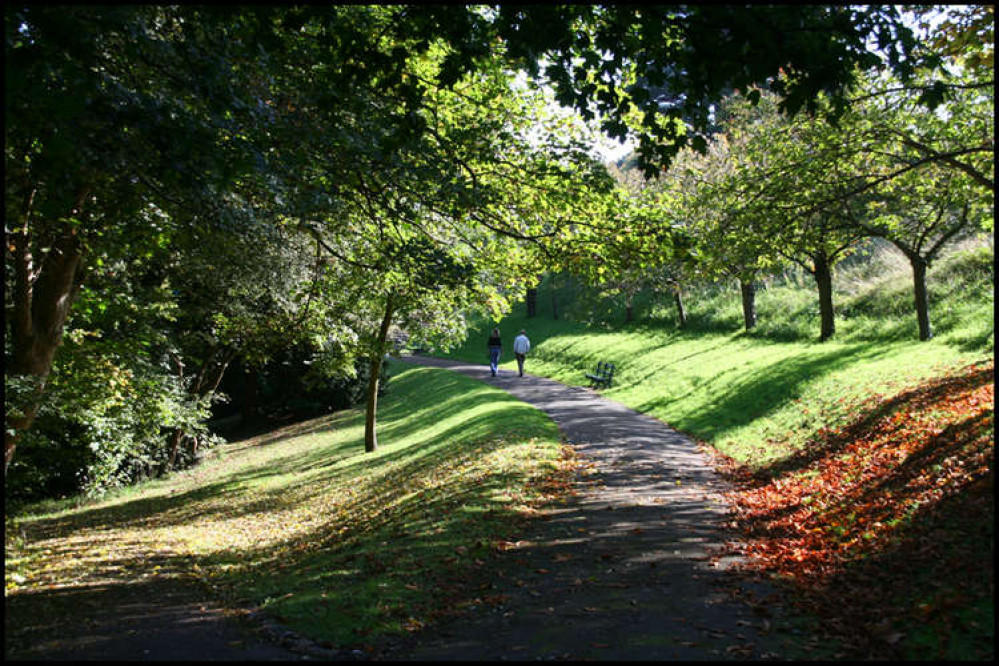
(625, 570)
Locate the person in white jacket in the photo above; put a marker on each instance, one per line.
(521, 345)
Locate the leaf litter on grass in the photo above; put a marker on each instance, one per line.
(883, 527)
(301, 522)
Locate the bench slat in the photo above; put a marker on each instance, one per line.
(603, 375)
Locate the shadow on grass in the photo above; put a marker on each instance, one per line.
(928, 393)
(476, 412)
(767, 388)
(439, 481)
(907, 544)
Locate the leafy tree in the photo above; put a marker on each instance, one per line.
(917, 176)
(793, 193)
(921, 216)
(607, 60)
(455, 219)
(964, 34)
(207, 113)
(107, 109)
(930, 171)
(112, 109)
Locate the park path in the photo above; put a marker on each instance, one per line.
(622, 572)
(626, 570)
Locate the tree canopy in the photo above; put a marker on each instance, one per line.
(241, 178)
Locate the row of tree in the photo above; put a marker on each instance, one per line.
(911, 162)
(187, 186)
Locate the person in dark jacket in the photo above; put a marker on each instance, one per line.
(495, 347)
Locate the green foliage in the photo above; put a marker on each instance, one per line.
(218, 183)
(344, 546)
(741, 391)
(633, 67)
(294, 385)
(102, 426)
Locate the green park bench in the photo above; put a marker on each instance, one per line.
(603, 376)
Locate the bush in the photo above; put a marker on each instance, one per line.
(103, 424)
(299, 383)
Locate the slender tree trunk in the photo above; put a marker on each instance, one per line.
(680, 311)
(41, 303)
(748, 289)
(175, 439)
(377, 354)
(921, 296)
(629, 310)
(207, 380)
(823, 278)
(532, 302)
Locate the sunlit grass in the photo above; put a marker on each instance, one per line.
(758, 396)
(345, 546)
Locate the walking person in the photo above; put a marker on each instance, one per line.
(495, 347)
(521, 345)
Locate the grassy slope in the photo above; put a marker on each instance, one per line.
(349, 547)
(345, 546)
(759, 396)
(892, 560)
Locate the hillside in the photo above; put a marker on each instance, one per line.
(863, 466)
(758, 396)
(345, 547)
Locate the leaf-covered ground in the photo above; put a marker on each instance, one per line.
(883, 528)
(343, 546)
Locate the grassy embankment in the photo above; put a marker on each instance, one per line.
(863, 464)
(350, 548)
(343, 546)
(758, 396)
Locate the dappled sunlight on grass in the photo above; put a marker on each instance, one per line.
(340, 543)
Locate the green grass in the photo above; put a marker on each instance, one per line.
(343, 546)
(758, 396)
(351, 547)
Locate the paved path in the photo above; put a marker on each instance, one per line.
(625, 570)
(622, 572)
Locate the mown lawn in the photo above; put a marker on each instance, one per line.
(754, 399)
(343, 546)
(863, 465)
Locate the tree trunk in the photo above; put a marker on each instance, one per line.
(680, 312)
(629, 311)
(748, 289)
(532, 301)
(377, 354)
(922, 297)
(823, 278)
(207, 380)
(41, 305)
(175, 439)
